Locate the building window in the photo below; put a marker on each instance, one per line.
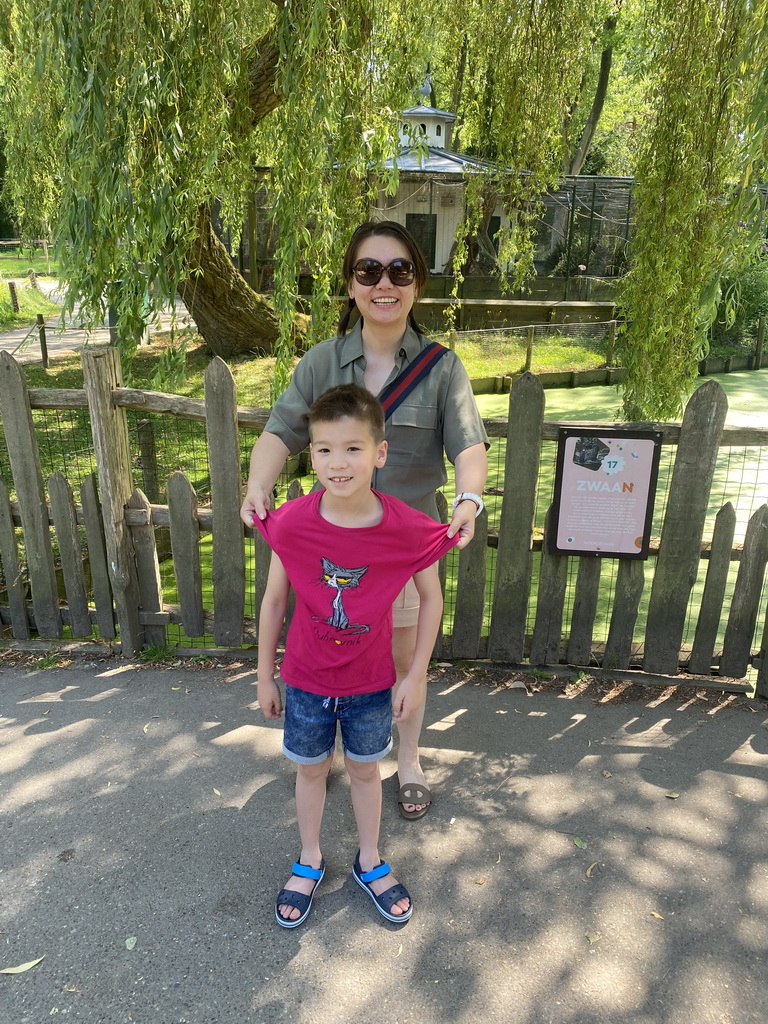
(439, 130)
(423, 227)
(423, 129)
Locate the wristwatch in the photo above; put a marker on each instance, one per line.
(469, 496)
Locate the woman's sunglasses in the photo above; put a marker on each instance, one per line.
(368, 272)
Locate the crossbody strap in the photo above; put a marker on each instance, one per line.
(413, 373)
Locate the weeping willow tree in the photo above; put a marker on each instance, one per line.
(698, 211)
(517, 69)
(127, 124)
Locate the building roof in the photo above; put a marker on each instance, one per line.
(437, 161)
(423, 111)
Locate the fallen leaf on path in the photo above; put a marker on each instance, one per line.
(671, 796)
(146, 727)
(22, 967)
(130, 942)
(591, 868)
(593, 937)
(479, 881)
(498, 861)
(654, 914)
(217, 792)
(399, 951)
(580, 843)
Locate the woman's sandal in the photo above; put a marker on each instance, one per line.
(413, 793)
(299, 900)
(385, 900)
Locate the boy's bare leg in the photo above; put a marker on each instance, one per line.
(310, 804)
(408, 765)
(365, 785)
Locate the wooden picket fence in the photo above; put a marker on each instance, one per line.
(126, 599)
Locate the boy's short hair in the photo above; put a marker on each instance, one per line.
(348, 400)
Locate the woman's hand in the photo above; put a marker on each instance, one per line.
(463, 522)
(267, 459)
(257, 502)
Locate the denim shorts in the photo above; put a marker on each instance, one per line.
(309, 736)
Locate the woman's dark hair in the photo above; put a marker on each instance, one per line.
(370, 229)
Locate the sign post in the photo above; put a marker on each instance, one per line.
(605, 486)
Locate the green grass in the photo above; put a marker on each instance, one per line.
(17, 267)
(31, 302)
(489, 355)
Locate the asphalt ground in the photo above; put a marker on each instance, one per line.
(596, 853)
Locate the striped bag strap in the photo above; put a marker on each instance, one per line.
(414, 372)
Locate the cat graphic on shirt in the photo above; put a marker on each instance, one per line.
(341, 580)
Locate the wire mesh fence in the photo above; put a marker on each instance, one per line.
(163, 444)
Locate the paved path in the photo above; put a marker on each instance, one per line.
(73, 337)
(557, 880)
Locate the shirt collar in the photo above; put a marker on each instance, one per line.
(352, 345)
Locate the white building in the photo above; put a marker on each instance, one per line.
(430, 197)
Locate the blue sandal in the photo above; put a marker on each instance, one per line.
(299, 900)
(385, 901)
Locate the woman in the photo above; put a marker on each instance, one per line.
(385, 273)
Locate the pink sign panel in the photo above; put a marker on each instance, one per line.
(604, 492)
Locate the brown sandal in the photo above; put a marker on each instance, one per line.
(413, 793)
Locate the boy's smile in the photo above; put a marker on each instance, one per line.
(344, 456)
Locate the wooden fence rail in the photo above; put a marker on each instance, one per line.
(120, 528)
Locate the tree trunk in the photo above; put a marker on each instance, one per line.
(574, 162)
(230, 315)
(598, 102)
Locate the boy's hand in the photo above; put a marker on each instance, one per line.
(409, 697)
(270, 701)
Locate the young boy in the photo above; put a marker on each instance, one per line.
(346, 551)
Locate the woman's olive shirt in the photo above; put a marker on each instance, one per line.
(439, 415)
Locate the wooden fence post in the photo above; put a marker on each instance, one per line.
(228, 562)
(185, 544)
(610, 343)
(680, 546)
(530, 332)
(28, 480)
(514, 558)
(148, 568)
(102, 373)
(745, 602)
(630, 582)
(65, 523)
(584, 609)
(97, 554)
(12, 568)
(711, 607)
(43, 340)
(550, 601)
(470, 593)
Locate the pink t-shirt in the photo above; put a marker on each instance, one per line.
(340, 639)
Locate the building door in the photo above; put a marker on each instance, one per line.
(423, 227)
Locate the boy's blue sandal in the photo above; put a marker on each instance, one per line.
(386, 900)
(299, 900)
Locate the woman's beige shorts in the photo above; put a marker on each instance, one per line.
(405, 610)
